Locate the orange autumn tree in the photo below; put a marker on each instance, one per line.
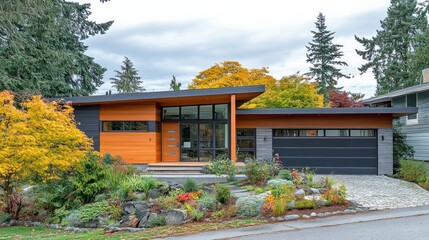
(38, 141)
(289, 92)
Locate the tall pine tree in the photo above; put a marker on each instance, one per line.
(127, 80)
(390, 53)
(323, 55)
(42, 49)
(174, 85)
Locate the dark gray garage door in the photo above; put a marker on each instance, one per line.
(328, 154)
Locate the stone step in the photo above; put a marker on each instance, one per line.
(174, 168)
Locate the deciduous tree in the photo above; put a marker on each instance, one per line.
(389, 52)
(290, 91)
(174, 85)
(127, 80)
(324, 57)
(343, 99)
(42, 49)
(38, 141)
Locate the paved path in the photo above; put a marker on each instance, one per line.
(381, 192)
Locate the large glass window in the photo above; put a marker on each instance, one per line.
(206, 112)
(189, 112)
(170, 113)
(189, 142)
(206, 135)
(221, 135)
(336, 133)
(221, 111)
(138, 126)
(246, 143)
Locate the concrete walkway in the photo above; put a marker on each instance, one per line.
(306, 224)
(382, 192)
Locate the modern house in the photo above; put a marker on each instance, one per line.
(194, 126)
(416, 126)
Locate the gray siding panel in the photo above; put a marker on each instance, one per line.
(264, 143)
(420, 142)
(385, 151)
(88, 121)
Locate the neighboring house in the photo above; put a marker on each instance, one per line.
(193, 126)
(416, 125)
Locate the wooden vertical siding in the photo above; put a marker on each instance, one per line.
(314, 121)
(233, 130)
(133, 147)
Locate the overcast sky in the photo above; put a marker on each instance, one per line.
(182, 38)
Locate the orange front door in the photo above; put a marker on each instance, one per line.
(170, 142)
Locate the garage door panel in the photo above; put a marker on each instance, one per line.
(326, 142)
(303, 162)
(328, 152)
(324, 155)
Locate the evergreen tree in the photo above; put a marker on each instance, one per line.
(323, 55)
(175, 86)
(127, 80)
(42, 49)
(390, 52)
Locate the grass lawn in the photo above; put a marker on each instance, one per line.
(51, 234)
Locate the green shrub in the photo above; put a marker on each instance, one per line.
(108, 159)
(137, 183)
(194, 212)
(157, 222)
(279, 206)
(222, 165)
(401, 149)
(4, 217)
(223, 194)
(91, 211)
(285, 174)
(89, 179)
(190, 185)
(259, 171)
(208, 203)
(249, 206)
(305, 204)
(342, 194)
(413, 171)
(273, 183)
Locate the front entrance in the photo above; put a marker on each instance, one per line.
(170, 142)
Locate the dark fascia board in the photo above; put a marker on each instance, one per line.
(388, 97)
(327, 111)
(163, 94)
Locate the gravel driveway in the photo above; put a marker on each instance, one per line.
(381, 192)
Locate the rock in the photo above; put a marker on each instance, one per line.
(13, 222)
(354, 203)
(347, 211)
(305, 216)
(136, 206)
(141, 196)
(176, 217)
(143, 217)
(272, 219)
(300, 194)
(112, 229)
(321, 215)
(164, 189)
(322, 190)
(314, 191)
(290, 205)
(328, 213)
(313, 214)
(153, 194)
(129, 221)
(292, 217)
(42, 215)
(279, 219)
(359, 210)
(130, 229)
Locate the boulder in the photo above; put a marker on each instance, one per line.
(314, 191)
(129, 221)
(143, 218)
(141, 196)
(290, 205)
(153, 193)
(300, 194)
(136, 206)
(176, 217)
(291, 217)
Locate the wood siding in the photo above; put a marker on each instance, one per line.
(130, 111)
(417, 134)
(134, 148)
(314, 121)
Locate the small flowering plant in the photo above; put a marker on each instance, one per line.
(189, 196)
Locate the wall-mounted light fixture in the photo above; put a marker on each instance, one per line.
(382, 137)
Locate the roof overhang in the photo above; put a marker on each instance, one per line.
(388, 97)
(395, 112)
(173, 98)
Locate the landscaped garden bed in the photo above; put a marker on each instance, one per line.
(120, 199)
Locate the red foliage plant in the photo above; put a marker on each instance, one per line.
(343, 99)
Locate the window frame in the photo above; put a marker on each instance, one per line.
(241, 137)
(416, 120)
(123, 126)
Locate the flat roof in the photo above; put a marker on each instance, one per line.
(396, 112)
(388, 97)
(243, 93)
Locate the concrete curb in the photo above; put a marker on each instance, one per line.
(305, 224)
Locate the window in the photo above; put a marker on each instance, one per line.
(221, 111)
(124, 126)
(170, 113)
(362, 133)
(246, 143)
(218, 112)
(336, 133)
(190, 112)
(206, 112)
(412, 102)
